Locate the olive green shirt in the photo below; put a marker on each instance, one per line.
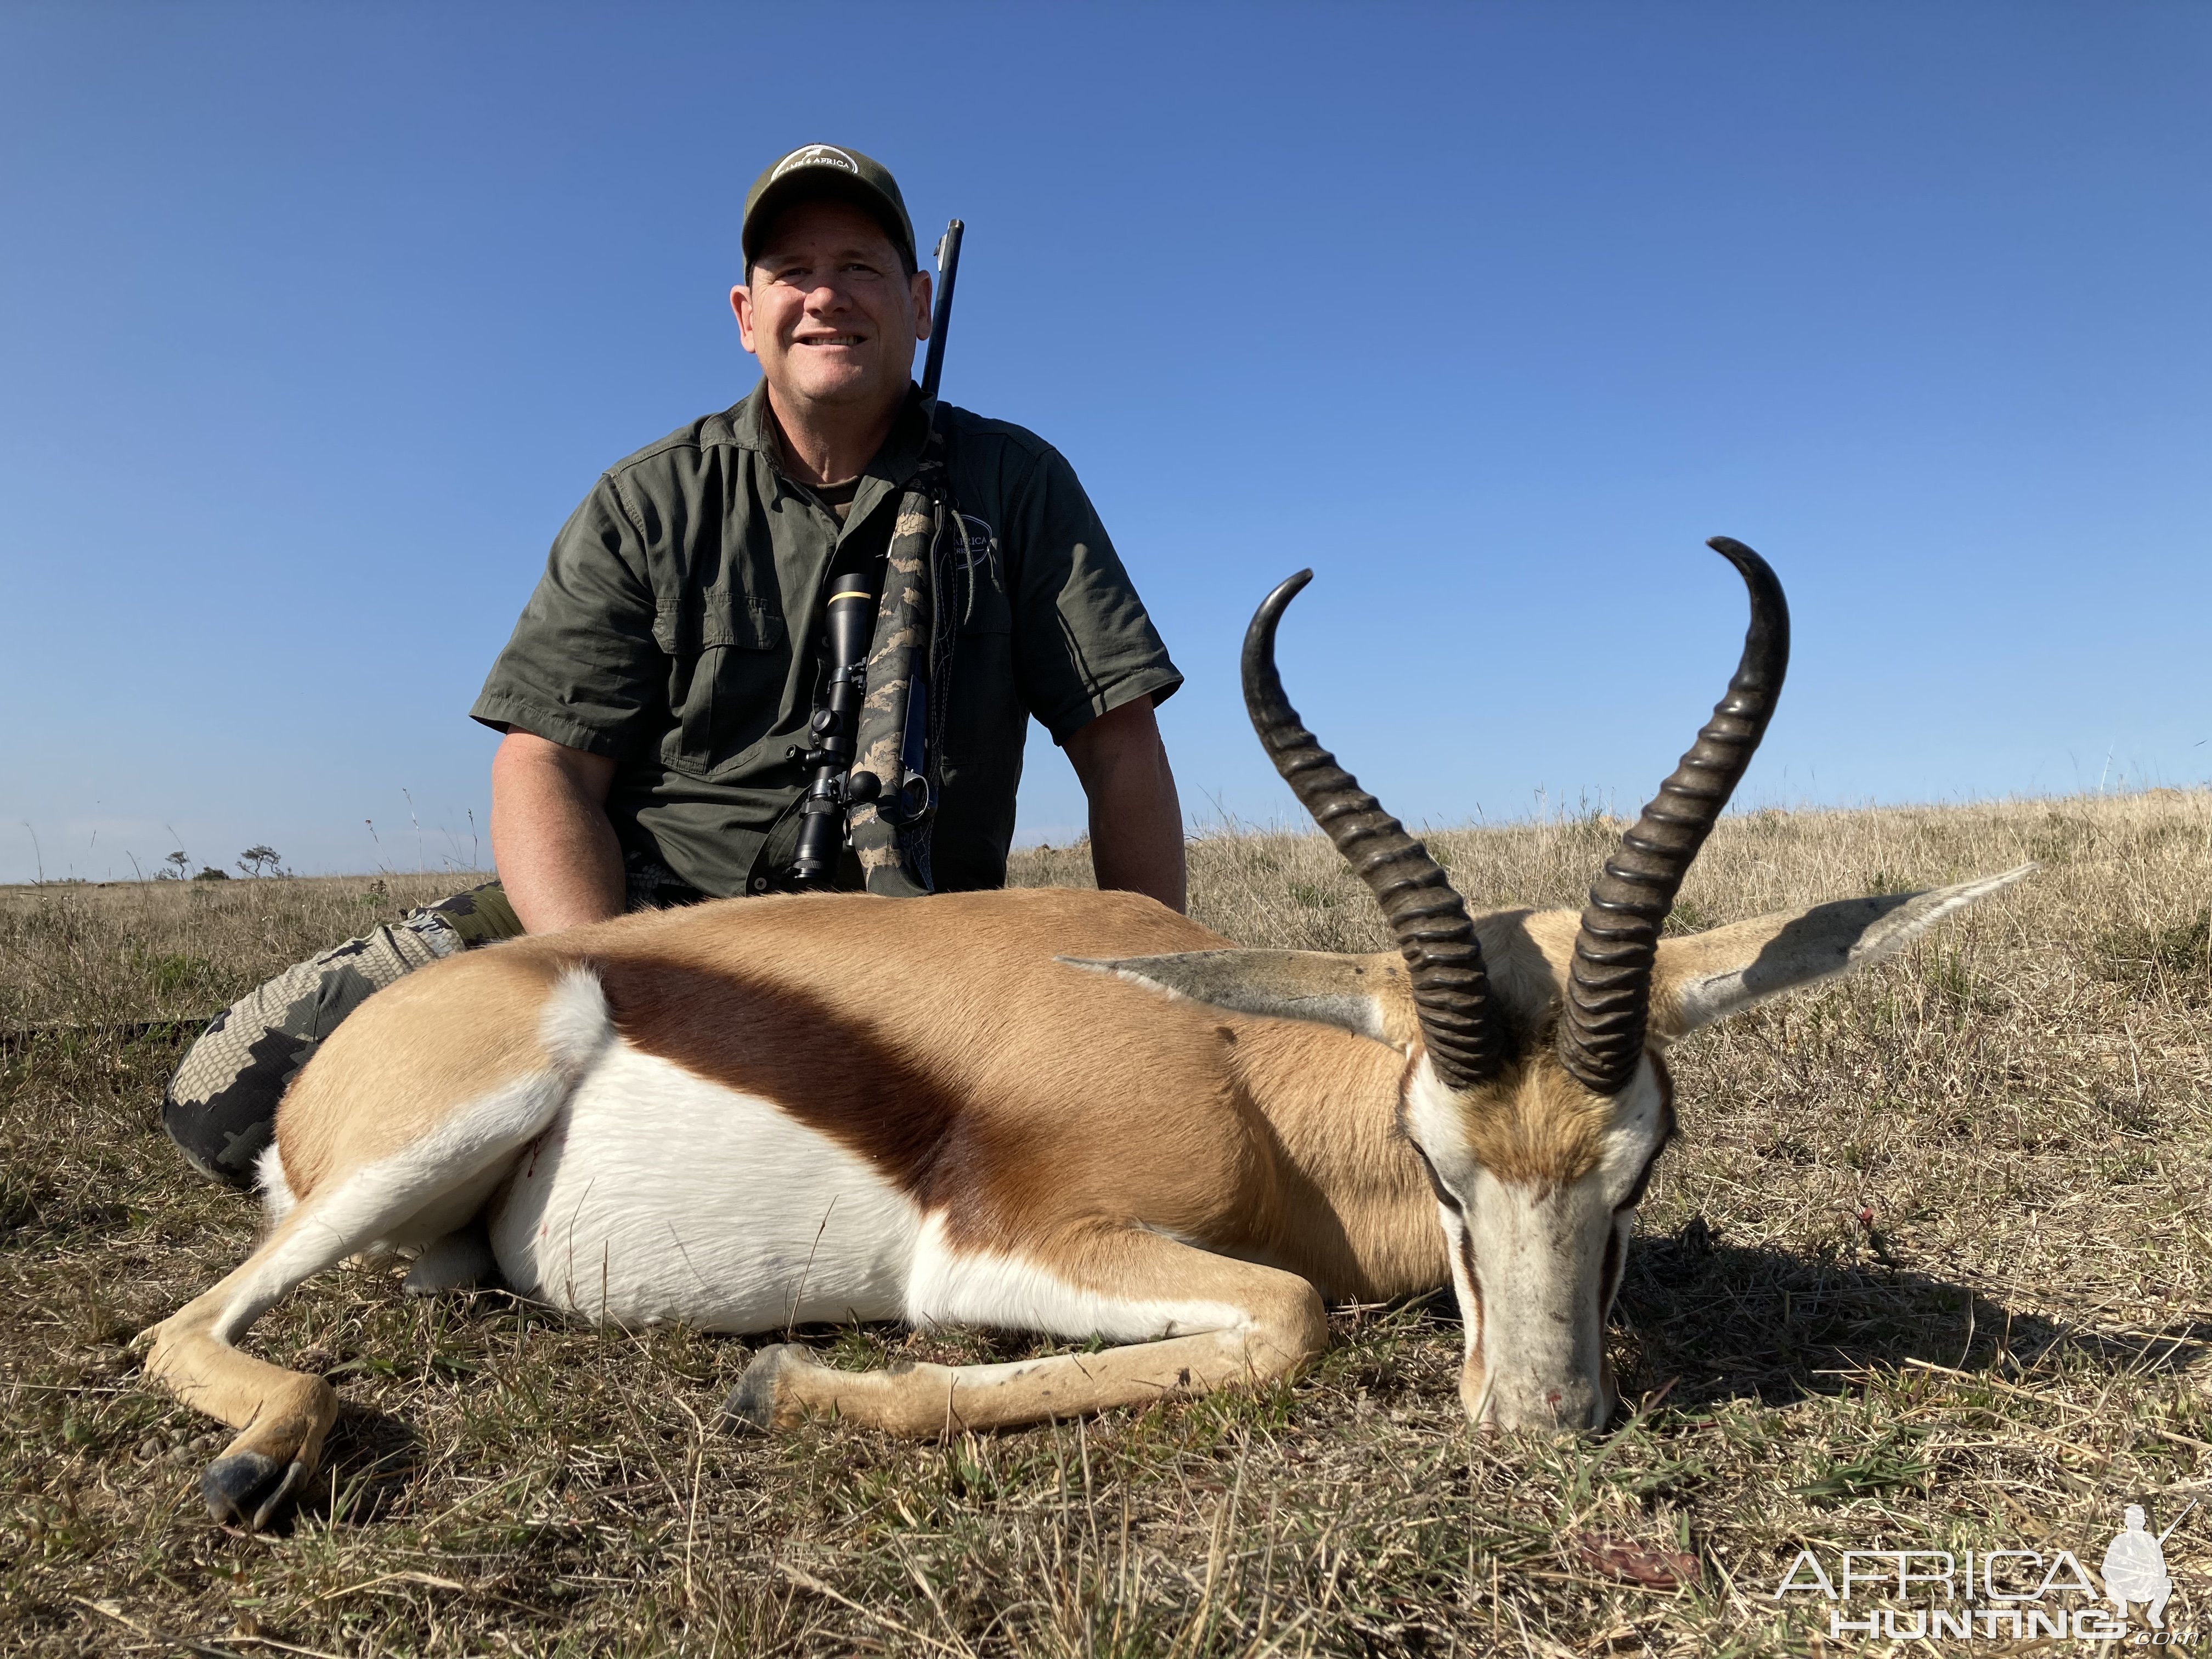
(677, 630)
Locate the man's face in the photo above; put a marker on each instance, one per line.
(829, 309)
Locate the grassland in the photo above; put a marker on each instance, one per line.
(1927, 1270)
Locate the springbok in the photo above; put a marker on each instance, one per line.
(1076, 1113)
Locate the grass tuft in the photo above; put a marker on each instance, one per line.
(2174, 960)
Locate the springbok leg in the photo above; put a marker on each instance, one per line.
(283, 1415)
(1217, 1324)
(397, 1142)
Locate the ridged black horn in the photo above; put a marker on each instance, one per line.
(1608, 999)
(1467, 1041)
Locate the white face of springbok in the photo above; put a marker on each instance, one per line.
(1537, 1187)
(1539, 1099)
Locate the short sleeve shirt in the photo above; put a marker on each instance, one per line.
(678, 630)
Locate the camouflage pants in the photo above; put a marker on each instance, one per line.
(221, 1107)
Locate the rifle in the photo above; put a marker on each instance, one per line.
(832, 789)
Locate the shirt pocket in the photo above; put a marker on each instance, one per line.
(726, 669)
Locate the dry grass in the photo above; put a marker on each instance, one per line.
(1928, 1269)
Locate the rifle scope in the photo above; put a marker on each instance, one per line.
(821, 816)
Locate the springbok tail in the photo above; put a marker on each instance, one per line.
(277, 1197)
(576, 1023)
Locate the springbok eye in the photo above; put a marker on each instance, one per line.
(1643, 1179)
(1444, 1195)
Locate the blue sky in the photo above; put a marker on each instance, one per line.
(316, 321)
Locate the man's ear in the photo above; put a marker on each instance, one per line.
(919, 290)
(1703, 977)
(1366, 994)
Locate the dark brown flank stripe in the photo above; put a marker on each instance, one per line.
(845, 1081)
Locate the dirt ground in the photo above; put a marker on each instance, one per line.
(1926, 1271)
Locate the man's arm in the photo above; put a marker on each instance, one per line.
(1136, 821)
(556, 850)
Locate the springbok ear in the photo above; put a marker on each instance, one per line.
(1708, 976)
(1366, 994)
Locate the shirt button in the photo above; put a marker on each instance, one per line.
(760, 884)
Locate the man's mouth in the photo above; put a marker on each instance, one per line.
(828, 340)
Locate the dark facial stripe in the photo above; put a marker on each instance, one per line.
(1444, 1195)
(1473, 1287)
(1609, 1280)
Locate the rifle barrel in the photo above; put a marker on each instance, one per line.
(948, 271)
(2168, 1533)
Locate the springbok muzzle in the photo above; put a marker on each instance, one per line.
(1543, 1260)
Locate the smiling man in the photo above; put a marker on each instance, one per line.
(674, 653)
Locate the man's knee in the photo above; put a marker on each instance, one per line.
(483, 915)
(221, 1106)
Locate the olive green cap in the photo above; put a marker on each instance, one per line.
(826, 170)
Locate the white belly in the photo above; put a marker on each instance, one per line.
(659, 1196)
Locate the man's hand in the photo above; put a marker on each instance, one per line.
(1136, 823)
(557, 853)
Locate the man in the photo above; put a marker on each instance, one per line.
(671, 656)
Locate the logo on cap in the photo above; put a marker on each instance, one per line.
(814, 155)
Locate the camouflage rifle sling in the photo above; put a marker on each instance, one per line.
(909, 677)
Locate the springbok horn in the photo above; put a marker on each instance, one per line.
(1609, 987)
(1467, 1041)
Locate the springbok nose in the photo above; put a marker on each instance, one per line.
(1574, 1407)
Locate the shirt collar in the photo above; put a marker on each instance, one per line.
(754, 428)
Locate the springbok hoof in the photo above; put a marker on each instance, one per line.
(250, 1490)
(751, 1405)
